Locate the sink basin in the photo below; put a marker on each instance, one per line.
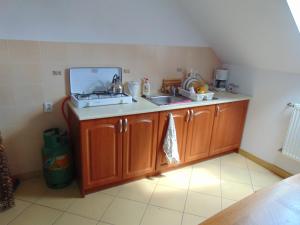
(167, 100)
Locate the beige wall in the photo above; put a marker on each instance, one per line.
(26, 81)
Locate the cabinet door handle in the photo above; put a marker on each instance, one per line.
(192, 115)
(120, 125)
(125, 125)
(188, 116)
(218, 110)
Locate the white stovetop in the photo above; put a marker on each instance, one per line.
(144, 106)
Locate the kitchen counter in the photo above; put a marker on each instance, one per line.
(144, 106)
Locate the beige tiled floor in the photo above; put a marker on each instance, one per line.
(183, 197)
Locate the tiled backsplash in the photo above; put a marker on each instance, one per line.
(26, 81)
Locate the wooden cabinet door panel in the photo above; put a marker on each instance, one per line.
(180, 119)
(139, 144)
(228, 126)
(102, 151)
(199, 133)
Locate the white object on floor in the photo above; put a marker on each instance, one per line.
(170, 143)
(291, 145)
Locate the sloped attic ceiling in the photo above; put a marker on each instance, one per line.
(257, 33)
(161, 22)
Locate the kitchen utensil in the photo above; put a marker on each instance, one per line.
(134, 88)
(168, 84)
(196, 97)
(116, 85)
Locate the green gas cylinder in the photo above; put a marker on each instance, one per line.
(57, 159)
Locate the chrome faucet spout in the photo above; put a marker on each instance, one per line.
(173, 90)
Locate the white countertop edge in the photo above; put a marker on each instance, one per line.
(144, 106)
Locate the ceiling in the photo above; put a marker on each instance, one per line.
(256, 33)
(158, 22)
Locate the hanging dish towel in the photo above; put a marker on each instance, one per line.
(170, 143)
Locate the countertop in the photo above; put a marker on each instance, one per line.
(144, 106)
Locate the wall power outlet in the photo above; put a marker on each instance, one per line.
(47, 106)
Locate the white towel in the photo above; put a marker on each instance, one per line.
(170, 143)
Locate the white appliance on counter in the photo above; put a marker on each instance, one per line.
(89, 86)
(220, 79)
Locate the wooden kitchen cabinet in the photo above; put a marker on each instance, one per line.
(101, 152)
(139, 144)
(115, 150)
(199, 132)
(193, 130)
(228, 126)
(181, 121)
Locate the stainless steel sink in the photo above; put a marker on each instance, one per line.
(167, 100)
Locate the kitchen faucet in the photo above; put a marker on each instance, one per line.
(173, 90)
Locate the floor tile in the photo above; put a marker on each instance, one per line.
(202, 205)
(235, 191)
(257, 188)
(92, 206)
(153, 179)
(192, 219)
(205, 182)
(10, 214)
(169, 197)
(227, 202)
(137, 190)
(214, 161)
(68, 218)
(31, 190)
(234, 159)
(264, 179)
(214, 164)
(124, 212)
(37, 215)
(176, 178)
(160, 216)
(113, 191)
(230, 176)
(232, 173)
(60, 198)
(208, 170)
(257, 168)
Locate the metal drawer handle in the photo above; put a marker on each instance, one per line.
(192, 115)
(125, 125)
(218, 110)
(120, 126)
(188, 116)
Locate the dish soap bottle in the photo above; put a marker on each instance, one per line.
(146, 87)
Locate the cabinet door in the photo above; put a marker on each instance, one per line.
(180, 118)
(228, 127)
(101, 152)
(139, 144)
(199, 133)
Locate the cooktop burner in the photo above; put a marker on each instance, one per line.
(89, 85)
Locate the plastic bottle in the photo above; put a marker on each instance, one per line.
(146, 87)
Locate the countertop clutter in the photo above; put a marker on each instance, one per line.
(144, 106)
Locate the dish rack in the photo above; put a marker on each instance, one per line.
(196, 97)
